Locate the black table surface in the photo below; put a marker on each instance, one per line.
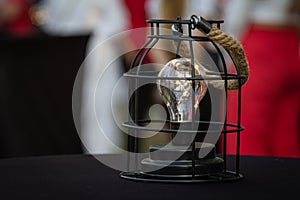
(83, 177)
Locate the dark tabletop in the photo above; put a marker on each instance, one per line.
(83, 177)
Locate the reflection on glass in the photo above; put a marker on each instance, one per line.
(177, 94)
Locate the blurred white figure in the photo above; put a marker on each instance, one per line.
(75, 17)
(102, 19)
(242, 13)
(205, 8)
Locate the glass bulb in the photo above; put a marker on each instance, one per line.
(177, 94)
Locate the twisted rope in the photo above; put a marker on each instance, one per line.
(228, 43)
(237, 51)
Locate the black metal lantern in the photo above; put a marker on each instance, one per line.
(182, 84)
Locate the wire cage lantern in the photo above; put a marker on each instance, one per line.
(182, 83)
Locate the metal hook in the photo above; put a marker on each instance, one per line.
(201, 24)
(177, 27)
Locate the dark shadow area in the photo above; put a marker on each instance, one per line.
(36, 82)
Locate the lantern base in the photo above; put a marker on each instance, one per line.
(173, 160)
(172, 163)
(162, 168)
(221, 177)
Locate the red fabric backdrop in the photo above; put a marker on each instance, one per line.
(271, 98)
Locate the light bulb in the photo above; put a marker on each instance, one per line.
(177, 94)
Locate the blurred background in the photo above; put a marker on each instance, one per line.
(44, 42)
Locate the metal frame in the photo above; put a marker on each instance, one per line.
(228, 128)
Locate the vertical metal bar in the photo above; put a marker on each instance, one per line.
(225, 149)
(130, 139)
(225, 122)
(238, 135)
(133, 140)
(226, 101)
(193, 101)
(237, 155)
(178, 49)
(136, 140)
(152, 28)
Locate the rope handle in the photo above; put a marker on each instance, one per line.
(228, 43)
